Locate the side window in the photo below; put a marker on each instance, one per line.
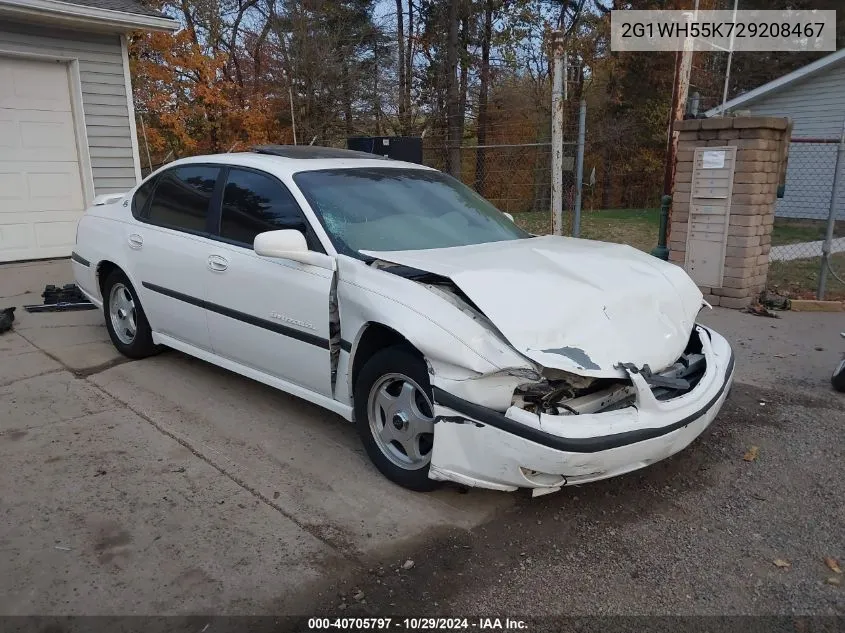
(142, 194)
(254, 203)
(182, 197)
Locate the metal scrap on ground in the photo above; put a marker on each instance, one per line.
(7, 316)
(61, 299)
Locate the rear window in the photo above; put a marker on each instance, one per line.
(182, 198)
(139, 200)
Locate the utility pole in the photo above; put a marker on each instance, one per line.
(558, 100)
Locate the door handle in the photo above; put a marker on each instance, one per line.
(217, 264)
(135, 241)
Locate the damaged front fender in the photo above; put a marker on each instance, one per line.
(468, 356)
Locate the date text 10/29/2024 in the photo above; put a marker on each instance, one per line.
(418, 624)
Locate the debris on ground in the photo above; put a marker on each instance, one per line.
(836, 581)
(774, 300)
(751, 454)
(358, 596)
(783, 564)
(62, 299)
(758, 309)
(7, 316)
(833, 565)
(408, 564)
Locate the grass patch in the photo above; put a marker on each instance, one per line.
(799, 278)
(637, 227)
(794, 230)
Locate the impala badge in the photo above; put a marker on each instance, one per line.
(282, 317)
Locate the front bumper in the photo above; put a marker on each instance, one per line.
(477, 446)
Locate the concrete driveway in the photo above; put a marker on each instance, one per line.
(169, 486)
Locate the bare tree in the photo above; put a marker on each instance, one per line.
(403, 69)
(483, 90)
(453, 97)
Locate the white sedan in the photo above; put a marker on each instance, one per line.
(462, 347)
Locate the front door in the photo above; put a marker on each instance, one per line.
(269, 314)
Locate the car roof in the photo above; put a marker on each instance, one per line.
(285, 161)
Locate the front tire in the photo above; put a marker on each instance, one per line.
(838, 378)
(395, 416)
(126, 322)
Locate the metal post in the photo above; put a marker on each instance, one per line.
(579, 167)
(292, 115)
(146, 144)
(730, 59)
(831, 217)
(557, 133)
(694, 102)
(661, 250)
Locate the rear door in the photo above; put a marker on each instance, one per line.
(266, 313)
(168, 250)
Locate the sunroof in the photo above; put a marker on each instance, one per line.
(312, 151)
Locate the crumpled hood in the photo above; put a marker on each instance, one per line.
(577, 305)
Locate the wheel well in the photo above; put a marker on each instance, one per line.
(376, 337)
(104, 269)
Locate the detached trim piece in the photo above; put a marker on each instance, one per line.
(571, 445)
(278, 328)
(79, 259)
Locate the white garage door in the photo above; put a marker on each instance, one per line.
(40, 186)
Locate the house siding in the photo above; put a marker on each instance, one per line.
(815, 106)
(104, 99)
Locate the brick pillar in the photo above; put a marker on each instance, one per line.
(762, 144)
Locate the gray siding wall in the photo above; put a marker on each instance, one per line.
(103, 94)
(817, 108)
(816, 105)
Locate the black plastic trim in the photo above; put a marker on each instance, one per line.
(476, 412)
(79, 259)
(345, 345)
(278, 328)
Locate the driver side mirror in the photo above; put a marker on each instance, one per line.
(289, 244)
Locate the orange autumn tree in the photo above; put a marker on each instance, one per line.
(198, 95)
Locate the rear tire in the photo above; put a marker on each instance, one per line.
(395, 416)
(126, 322)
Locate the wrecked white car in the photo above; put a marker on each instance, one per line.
(463, 348)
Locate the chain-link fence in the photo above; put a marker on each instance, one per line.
(801, 221)
(512, 168)
(514, 177)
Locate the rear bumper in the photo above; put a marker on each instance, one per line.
(85, 275)
(477, 446)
